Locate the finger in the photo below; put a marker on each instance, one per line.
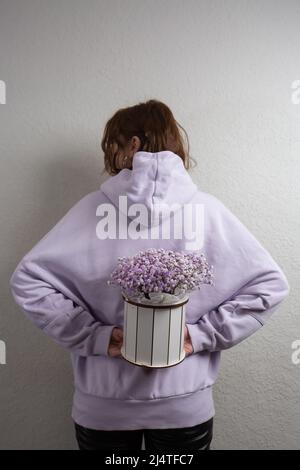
(115, 351)
(188, 348)
(118, 333)
(117, 338)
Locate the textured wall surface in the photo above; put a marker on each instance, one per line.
(225, 68)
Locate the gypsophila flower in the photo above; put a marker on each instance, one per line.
(160, 270)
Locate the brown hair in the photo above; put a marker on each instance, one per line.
(153, 122)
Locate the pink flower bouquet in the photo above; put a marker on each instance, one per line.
(161, 275)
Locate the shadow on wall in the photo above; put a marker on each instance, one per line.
(60, 183)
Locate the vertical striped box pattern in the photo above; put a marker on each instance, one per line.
(154, 336)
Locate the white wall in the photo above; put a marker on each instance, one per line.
(225, 68)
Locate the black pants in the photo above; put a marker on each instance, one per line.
(193, 438)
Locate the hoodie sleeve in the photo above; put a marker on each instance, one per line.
(247, 279)
(44, 285)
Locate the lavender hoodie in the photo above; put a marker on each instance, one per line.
(61, 284)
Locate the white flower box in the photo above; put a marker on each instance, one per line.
(153, 332)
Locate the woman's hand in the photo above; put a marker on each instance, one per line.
(188, 347)
(116, 342)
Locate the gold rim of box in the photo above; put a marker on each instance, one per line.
(138, 304)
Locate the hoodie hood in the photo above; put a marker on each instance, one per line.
(156, 178)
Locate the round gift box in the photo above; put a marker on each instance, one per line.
(153, 334)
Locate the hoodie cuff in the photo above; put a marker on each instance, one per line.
(102, 340)
(199, 338)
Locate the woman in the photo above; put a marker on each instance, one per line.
(61, 284)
